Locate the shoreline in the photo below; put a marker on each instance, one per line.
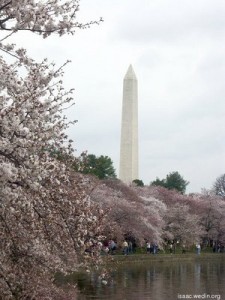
(143, 258)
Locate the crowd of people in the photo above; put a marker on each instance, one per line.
(129, 247)
(112, 247)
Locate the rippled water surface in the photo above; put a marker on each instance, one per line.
(192, 279)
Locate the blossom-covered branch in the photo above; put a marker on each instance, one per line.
(44, 18)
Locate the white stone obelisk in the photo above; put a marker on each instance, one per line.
(129, 130)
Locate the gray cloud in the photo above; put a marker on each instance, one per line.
(178, 53)
(168, 21)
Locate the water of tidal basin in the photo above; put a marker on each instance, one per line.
(196, 279)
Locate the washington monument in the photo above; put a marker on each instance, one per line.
(129, 129)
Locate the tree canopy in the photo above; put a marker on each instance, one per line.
(172, 181)
(101, 166)
(219, 186)
(138, 182)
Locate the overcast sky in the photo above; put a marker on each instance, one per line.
(177, 50)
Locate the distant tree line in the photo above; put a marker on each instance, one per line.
(102, 167)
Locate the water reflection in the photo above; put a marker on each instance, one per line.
(158, 281)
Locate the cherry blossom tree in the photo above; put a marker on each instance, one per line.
(180, 223)
(46, 217)
(128, 214)
(211, 211)
(182, 226)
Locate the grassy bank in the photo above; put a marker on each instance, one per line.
(142, 258)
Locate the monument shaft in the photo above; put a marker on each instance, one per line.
(129, 129)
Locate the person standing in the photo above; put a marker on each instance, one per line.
(112, 246)
(130, 247)
(198, 248)
(125, 247)
(148, 245)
